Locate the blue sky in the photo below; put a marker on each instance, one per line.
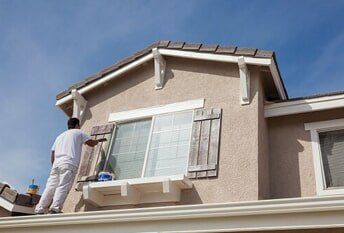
(45, 46)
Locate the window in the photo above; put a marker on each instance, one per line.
(328, 154)
(156, 146)
(332, 153)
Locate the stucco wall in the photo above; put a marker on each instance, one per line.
(218, 83)
(291, 158)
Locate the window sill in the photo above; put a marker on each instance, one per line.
(330, 191)
(136, 191)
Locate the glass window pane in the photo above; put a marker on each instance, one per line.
(182, 120)
(128, 149)
(102, 155)
(161, 139)
(168, 151)
(332, 151)
(163, 123)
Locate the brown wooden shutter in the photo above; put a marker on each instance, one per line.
(2, 187)
(9, 194)
(92, 153)
(205, 142)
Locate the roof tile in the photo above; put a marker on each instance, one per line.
(62, 94)
(93, 78)
(125, 61)
(226, 49)
(245, 51)
(176, 45)
(109, 69)
(192, 47)
(208, 48)
(163, 43)
(264, 53)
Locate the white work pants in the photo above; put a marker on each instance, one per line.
(58, 186)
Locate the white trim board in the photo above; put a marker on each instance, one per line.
(315, 128)
(325, 125)
(262, 215)
(136, 191)
(303, 106)
(156, 110)
(270, 62)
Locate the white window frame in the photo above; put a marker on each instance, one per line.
(315, 128)
(152, 112)
(141, 113)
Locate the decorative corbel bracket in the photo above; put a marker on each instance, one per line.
(129, 193)
(171, 190)
(244, 82)
(159, 69)
(79, 104)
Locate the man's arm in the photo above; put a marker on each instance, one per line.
(92, 142)
(52, 157)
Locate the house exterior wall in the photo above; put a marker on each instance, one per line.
(291, 158)
(186, 80)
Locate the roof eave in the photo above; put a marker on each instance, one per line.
(270, 62)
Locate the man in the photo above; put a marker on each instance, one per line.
(65, 159)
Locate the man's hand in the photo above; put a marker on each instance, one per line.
(95, 142)
(52, 157)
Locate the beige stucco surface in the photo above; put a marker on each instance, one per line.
(291, 158)
(189, 79)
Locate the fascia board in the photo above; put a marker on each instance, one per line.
(303, 106)
(185, 54)
(305, 213)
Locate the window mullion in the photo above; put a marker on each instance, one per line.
(108, 154)
(148, 146)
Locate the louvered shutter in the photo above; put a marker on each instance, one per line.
(91, 154)
(9, 194)
(205, 142)
(2, 187)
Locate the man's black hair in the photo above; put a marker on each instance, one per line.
(73, 122)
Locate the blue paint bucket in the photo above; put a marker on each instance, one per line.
(33, 189)
(105, 176)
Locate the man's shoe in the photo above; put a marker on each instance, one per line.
(39, 213)
(53, 211)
